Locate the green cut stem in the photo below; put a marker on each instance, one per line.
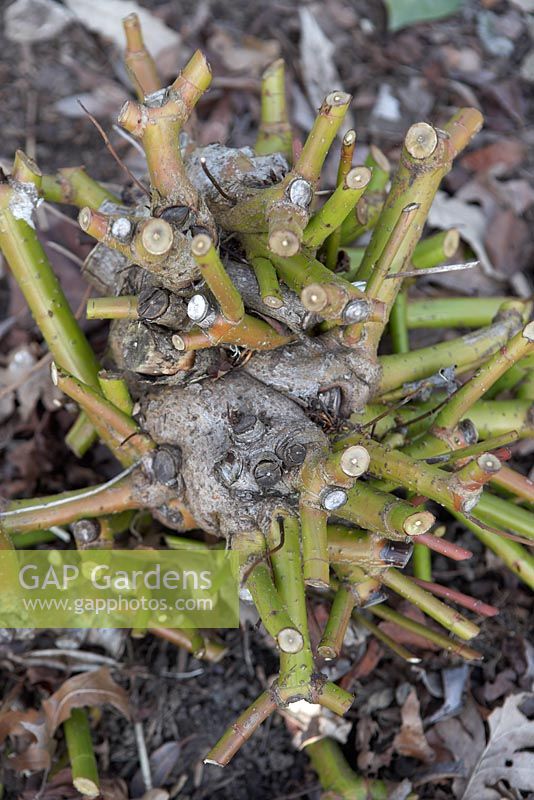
(398, 327)
(401, 469)
(241, 730)
(273, 613)
(299, 271)
(296, 669)
(512, 377)
(384, 513)
(379, 634)
(397, 250)
(340, 469)
(211, 651)
(217, 278)
(274, 133)
(338, 621)
(501, 513)
(73, 186)
(333, 697)
(515, 483)
(436, 249)
(41, 513)
(313, 520)
(464, 351)
(250, 332)
(267, 282)
(526, 389)
(23, 541)
(521, 345)
(332, 244)
(448, 617)
(452, 312)
(115, 389)
(158, 129)
(350, 546)
(360, 584)
(426, 157)
(81, 436)
(327, 123)
(422, 562)
(408, 624)
(394, 254)
(43, 293)
(123, 307)
(364, 218)
(511, 553)
(336, 208)
(379, 165)
(116, 429)
(141, 67)
(81, 754)
(336, 777)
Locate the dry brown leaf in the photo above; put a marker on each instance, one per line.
(411, 740)
(500, 157)
(508, 754)
(250, 57)
(370, 759)
(105, 18)
(88, 689)
(35, 745)
(464, 738)
(507, 242)
(452, 212)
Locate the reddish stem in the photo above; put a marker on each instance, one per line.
(464, 600)
(444, 547)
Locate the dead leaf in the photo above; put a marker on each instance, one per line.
(500, 157)
(250, 57)
(29, 386)
(508, 754)
(454, 680)
(504, 683)
(464, 737)
(319, 71)
(369, 759)
(517, 194)
(411, 740)
(364, 666)
(162, 762)
(87, 689)
(35, 20)
(507, 242)
(453, 212)
(105, 18)
(35, 745)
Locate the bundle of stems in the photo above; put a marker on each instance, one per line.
(426, 434)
